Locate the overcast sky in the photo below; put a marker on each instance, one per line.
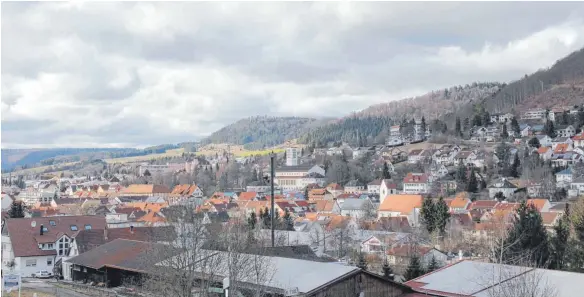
(133, 74)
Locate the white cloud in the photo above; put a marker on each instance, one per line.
(113, 74)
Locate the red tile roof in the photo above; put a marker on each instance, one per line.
(413, 178)
(25, 235)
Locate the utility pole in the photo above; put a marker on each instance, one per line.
(272, 157)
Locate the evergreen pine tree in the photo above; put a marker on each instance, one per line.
(559, 242)
(428, 214)
(16, 210)
(433, 265)
(362, 261)
(515, 126)
(306, 193)
(288, 221)
(549, 129)
(267, 221)
(534, 142)
(252, 220)
(414, 268)
(514, 170)
(387, 271)
(528, 237)
(457, 128)
(386, 174)
(472, 185)
(504, 133)
(423, 126)
(442, 215)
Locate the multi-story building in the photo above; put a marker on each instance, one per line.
(292, 156)
(535, 114)
(416, 183)
(291, 177)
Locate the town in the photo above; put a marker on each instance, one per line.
(495, 192)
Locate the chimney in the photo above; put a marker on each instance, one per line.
(42, 232)
(132, 229)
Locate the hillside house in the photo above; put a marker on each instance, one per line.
(544, 140)
(565, 131)
(562, 141)
(145, 190)
(542, 205)
(416, 183)
(545, 152)
(354, 187)
(374, 186)
(501, 117)
(577, 186)
(564, 178)
(415, 156)
(335, 189)
(503, 186)
(525, 130)
(395, 136)
(579, 140)
(438, 171)
(534, 114)
(400, 255)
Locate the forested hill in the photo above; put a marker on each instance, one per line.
(433, 104)
(262, 131)
(560, 85)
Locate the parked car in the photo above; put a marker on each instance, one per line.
(42, 274)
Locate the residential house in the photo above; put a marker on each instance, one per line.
(395, 136)
(501, 117)
(361, 152)
(357, 208)
(416, 183)
(317, 194)
(259, 187)
(564, 141)
(562, 148)
(545, 152)
(550, 220)
(460, 203)
(145, 190)
(374, 186)
(565, 131)
(542, 205)
(335, 189)
(354, 186)
(33, 244)
(438, 171)
(313, 178)
(544, 140)
(387, 187)
(564, 178)
(401, 205)
(502, 186)
(525, 130)
(465, 157)
(6, 201)
(415, 156)
(577, 187)
(399, 256)
(248, 196)
(187, 190)
(578, 140)
(327, 206)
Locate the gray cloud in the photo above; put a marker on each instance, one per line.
(130, 74)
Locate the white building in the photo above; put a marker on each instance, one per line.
(291, 177)
(565, 131)
(33, 244)
(292, 156)
(387, 187)
(534, 114)
(395, 136)
(357, 208)
(416, 183)
(503, 186)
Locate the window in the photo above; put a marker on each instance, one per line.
(87, 227)
(60, 245)
(49, 261)
(45, 229)
(74, 228)
(52, 223)
(50, 246)
(31, 263)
